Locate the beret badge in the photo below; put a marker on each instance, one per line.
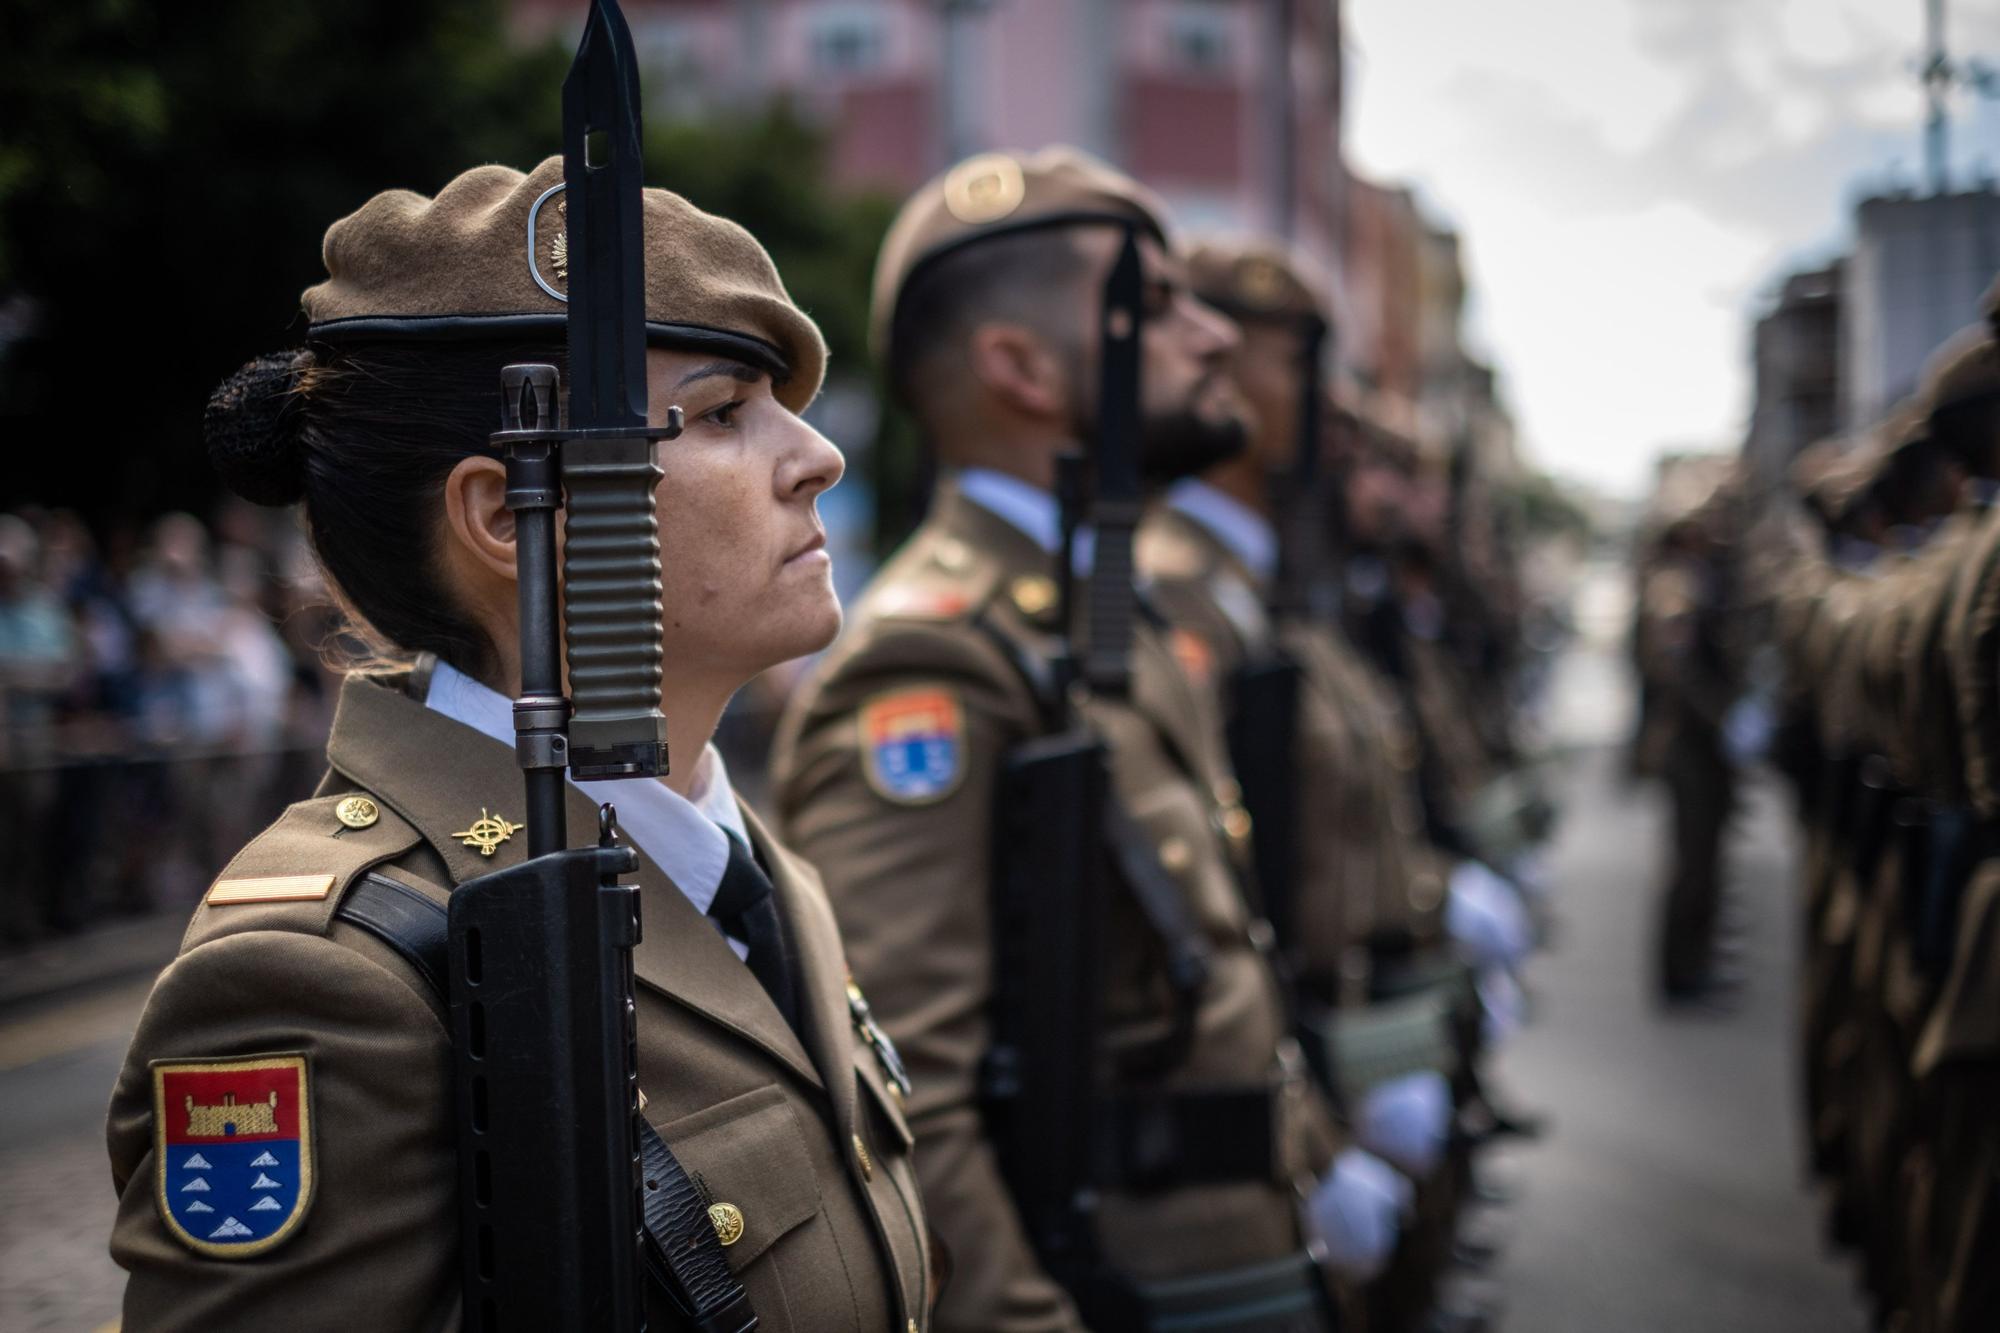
(1260, 282)
(558, 244)
(984, 189)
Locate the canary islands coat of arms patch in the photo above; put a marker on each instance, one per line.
(232, 1151)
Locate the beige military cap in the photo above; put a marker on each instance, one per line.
(1254, 281)
(1001, 194)
(491, 253)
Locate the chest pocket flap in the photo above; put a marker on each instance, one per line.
(748, 1152)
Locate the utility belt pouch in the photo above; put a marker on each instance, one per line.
(1285, 1295)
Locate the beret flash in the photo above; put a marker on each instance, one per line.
(1002, 194)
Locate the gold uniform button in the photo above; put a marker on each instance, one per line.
(357, 812)
(1033, 595)
(1236, 823)
(861, 1156)
(1228, 791)
(1176, 855)
(727, 1219)
(953, 556)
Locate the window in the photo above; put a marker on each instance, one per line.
(1198, 37)
(848, 40)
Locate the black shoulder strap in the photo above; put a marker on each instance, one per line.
(684, 1255)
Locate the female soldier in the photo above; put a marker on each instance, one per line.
(286, 1028)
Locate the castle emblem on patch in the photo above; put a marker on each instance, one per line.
(913, 745)
(232, 1151)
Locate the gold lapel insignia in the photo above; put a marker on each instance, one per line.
(488, 832)
(357, 812)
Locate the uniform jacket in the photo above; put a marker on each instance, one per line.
(1364, 864)
(798, 1130)
(948, 623)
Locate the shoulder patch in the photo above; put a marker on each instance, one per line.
(915, 602)
(232, 1151)
(1196, 658)
(913, 744)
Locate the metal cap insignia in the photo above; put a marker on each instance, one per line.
(984, 189)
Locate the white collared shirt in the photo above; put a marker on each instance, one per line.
(682, 835)
(1027, 507)
(1247, 533)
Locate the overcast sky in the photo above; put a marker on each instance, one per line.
(1631, 177)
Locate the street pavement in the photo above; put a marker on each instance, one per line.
(1668, 1192)
(1666, 1195)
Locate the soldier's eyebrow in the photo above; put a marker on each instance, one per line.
(736, 370)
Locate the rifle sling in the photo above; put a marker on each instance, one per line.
(1183, 948)
(683, 1254)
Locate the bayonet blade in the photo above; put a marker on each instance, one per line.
(603, 169)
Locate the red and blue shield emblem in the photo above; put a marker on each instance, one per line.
(913, 745)
(232, 1151)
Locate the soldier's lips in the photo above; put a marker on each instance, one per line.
(813, 551)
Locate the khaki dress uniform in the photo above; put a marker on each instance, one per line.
(1363, 864)
(293, 978)
(797, 1130)
(957, 622)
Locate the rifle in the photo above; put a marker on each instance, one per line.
(1264, 716)
(1065, 846)
(556, 1226)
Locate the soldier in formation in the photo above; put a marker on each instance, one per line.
(281, 1135)
(1278, 1076)
(1883, 602)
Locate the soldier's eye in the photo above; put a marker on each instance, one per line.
(725, 415)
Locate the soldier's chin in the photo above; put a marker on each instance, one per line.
(1186, 443)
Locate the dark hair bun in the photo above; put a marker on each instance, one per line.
(251, 426)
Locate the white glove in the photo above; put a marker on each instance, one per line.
(1356, 1212)
(1408, 1121)
(1747, 730)
(1530, 870)
(1484, 916)
(1505, 1005)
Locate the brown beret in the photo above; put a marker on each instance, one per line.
(1002, 194)
(489, 257)
(1253, 281)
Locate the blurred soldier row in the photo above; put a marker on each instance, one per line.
(1882, 595)
(1315, 753)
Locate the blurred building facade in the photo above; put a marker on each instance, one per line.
(1795, 356)
(1919, 267)
(1841, 345)
(1231, 109)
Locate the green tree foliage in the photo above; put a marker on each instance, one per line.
(166, 172)
(168, 168)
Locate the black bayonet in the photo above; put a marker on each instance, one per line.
(1117, 498)
(567, 1196)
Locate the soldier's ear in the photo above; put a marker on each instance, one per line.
(478, 535)
(1021, 370)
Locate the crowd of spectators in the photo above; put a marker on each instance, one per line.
(163, 693)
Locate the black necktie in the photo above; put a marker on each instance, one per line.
(744, 908)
